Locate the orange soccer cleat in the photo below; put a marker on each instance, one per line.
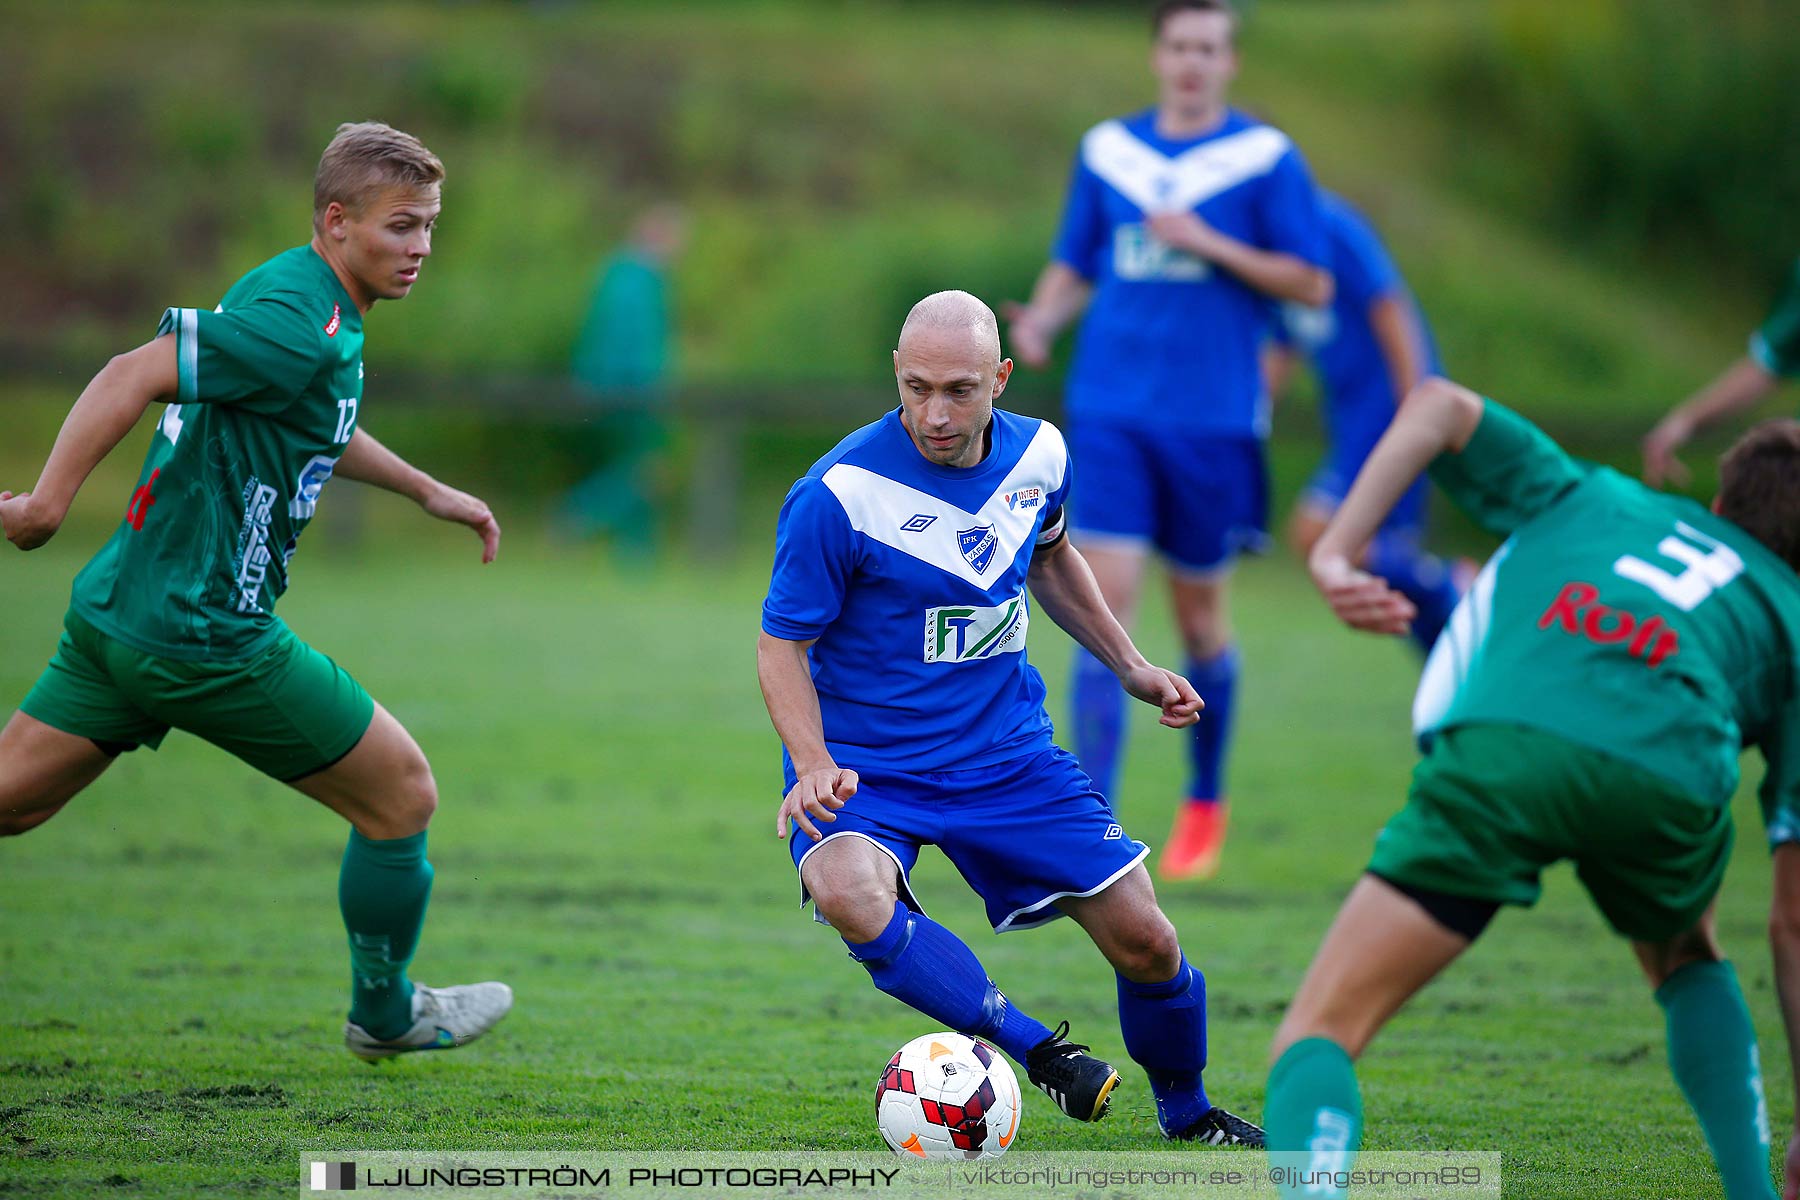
(1195, 842)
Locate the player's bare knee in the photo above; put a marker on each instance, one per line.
(1205, 630)
(19, 812)
(852, 892)
(404, 804)
(16, 822)
(421, 795)
(1148, 951)
(859, 914)
(1661, 960)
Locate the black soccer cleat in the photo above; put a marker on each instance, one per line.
(1220, 1128)
(1081, 1084)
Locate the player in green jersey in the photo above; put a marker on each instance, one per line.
(1774, 355)
(172, 623)
(1587, 701)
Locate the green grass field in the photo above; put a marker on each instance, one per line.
(173, 972)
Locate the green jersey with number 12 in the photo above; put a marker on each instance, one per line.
(270, 383)
(1620, 618)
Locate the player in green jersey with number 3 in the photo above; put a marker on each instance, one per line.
(1587, 701)
(172, 624)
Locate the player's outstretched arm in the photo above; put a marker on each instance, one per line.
(1274, 273)
(1784, 941)
(1738, 389)
(368, 461)
(1067, 593)
(1058, 297)
(1401, 339)
(1436, 416)
(821, 785)
(106, 411)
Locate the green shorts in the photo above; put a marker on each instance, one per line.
(288, 711)
(1492, 805)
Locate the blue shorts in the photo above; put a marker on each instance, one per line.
(1199, 499)
(1024, 833)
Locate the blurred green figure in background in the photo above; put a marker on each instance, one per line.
(621, 368)
(1773, 357)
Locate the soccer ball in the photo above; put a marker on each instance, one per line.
(948, 1096)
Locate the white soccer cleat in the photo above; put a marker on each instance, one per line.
(443, 1019)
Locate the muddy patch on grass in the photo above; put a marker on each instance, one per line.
(207, 1099)
(38, 1070)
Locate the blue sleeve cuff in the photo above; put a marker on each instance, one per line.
(777, 626)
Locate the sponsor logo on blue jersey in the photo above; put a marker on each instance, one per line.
(966, 633)
(1024, 498)
(977, 545)
(1140, 257)
(918, 523)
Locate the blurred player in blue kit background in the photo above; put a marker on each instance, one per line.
(1368, 348)
(1185, 224)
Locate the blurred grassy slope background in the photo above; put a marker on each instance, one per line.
(1590, 199)
(840, 159)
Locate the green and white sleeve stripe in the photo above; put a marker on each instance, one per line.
(184, 323)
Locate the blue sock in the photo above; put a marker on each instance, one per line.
(919, 962)
(1099, 721)
(1216, 681)
(1165, 1033)
(1420, 577)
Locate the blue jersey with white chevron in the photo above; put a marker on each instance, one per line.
(911, 576)
(1171, 341)
(1359, 391)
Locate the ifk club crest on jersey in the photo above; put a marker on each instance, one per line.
(977, 544)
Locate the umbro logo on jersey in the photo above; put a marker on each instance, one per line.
(1113, 833)
(331, 326)
(977, 545)
(918, 523)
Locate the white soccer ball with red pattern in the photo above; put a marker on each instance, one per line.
(948, 1096)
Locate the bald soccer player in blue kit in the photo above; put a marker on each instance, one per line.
(892, 659)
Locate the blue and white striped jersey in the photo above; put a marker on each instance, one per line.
(911, 576)
(1169, 340)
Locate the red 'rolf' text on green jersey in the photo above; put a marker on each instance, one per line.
(1620, 618)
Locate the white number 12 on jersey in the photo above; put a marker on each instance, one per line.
(346, 420)
(1710, 565)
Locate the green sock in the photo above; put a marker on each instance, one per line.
(1313, 1116)
(382, 890)
(1712, 1052)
